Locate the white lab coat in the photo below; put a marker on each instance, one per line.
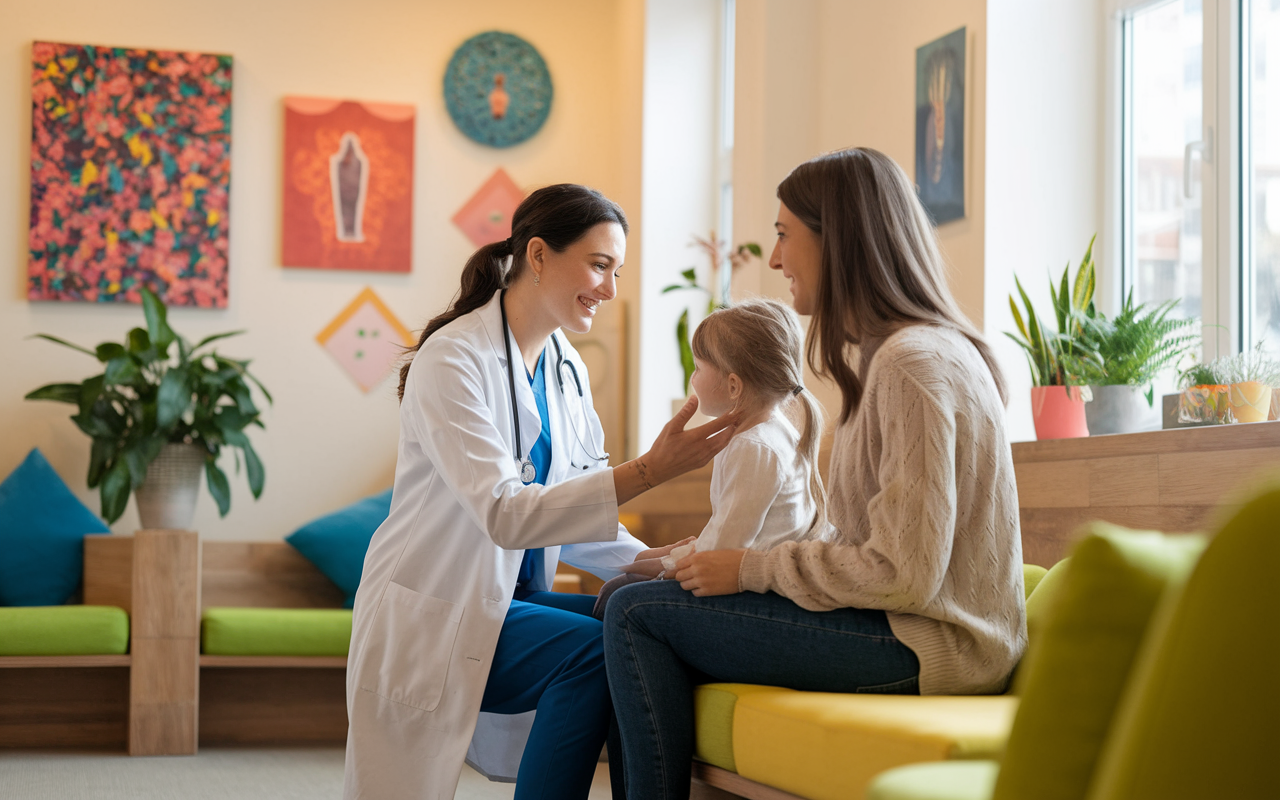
(440, 572)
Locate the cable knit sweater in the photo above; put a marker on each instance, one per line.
(922, 493)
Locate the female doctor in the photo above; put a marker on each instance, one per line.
(501, 472)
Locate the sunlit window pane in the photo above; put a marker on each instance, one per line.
(1165, 91)
(1263, 161)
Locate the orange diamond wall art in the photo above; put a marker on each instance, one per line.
(348, 185)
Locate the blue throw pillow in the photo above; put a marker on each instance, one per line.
(336, 543)
(42, 529)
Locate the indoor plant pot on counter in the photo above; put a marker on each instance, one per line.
(1133, 349)
(1057, 398)
(158, 394)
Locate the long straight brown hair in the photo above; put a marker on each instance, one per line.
(559, 215)
(881, 268)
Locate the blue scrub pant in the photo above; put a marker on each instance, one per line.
(550, 657)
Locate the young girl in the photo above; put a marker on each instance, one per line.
(765, 487)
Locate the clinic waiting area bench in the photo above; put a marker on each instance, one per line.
(1150, 674)
(112, 672)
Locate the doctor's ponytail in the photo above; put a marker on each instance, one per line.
(559, 215)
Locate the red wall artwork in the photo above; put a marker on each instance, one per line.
(130, 175)
(348, 185)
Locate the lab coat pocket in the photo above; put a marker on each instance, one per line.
(409, 647)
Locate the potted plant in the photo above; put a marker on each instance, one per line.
(1203, 399)
(717, 296)
(160, 411)
(1057, 396)
(1134, 348)
(1251, 377)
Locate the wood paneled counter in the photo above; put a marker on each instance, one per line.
(1162, 480)
(1170, 480)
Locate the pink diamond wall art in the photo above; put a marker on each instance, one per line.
(486, 217)
(348, 185)
(366, 339)
(130, 172)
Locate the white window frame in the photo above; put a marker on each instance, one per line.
(1225, 309)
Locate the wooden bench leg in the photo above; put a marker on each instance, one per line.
(164, 686)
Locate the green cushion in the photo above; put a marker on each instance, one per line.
(1032, 574)
(1075, 671)
(1042, 595)
(64, 631)
(936, 780)
(713, 707)
(1199, 718)
(275, 631)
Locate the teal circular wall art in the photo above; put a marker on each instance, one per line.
(497, 89)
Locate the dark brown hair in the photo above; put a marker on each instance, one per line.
(558, 215)
(881, 269)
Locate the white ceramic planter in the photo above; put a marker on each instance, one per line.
(1120, 409)
(167, 498)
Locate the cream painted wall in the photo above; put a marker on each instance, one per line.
(823, 75)
(1044, 175)
(326, 443)
(1034, 133)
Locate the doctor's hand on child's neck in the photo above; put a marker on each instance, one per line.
(719, 393)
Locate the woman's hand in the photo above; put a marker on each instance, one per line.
(675, 451)
(649, 567)
(659, 552)
(710, 573)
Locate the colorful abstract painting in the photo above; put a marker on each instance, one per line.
(348, 185)
(130, 175)
(366, 339)
(486, 217)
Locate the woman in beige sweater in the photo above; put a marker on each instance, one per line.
(921, 591)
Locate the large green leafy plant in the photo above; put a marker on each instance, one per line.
(1055, 357)
(157, 389)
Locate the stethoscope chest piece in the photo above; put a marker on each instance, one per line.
(528, 472)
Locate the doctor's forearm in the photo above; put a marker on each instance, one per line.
(632, 479)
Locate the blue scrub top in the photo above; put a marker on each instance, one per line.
(540, 455)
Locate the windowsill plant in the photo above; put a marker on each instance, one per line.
(1134, 348)
(151, 402)
(1239, 388)
(1058, 397)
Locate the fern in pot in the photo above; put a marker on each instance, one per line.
(1134, 348)
(160, 414)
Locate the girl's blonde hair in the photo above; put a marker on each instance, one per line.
(761, 342)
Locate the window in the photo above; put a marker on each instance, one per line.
(1200, 164)
(1260, 187)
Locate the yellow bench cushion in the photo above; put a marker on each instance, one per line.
(827, 746)
(713, 705)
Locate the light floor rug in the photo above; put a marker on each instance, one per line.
(214, 774)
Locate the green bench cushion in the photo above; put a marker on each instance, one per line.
(275, 631)
(936, 780)
(63, 631)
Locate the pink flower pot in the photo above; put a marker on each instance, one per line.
(1058, 412)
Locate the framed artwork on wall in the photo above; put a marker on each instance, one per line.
(486, 217)
(940, 126)
(348, 185)
(366, 339)
(497, 89)
(130, 175)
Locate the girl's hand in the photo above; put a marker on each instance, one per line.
(649, 567)
(710, 573)
(659, 552)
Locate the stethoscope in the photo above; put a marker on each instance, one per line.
(528, 472)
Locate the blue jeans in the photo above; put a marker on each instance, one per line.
(550, 657)
(661, 641)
